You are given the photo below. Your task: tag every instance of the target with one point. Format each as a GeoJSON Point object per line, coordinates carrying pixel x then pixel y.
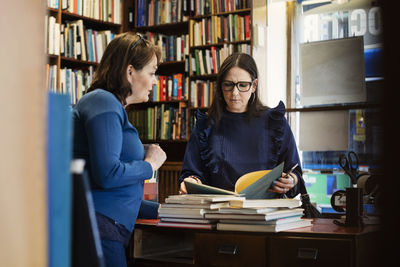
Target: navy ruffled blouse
{"type": "Point", "coordinates": [220, 155]}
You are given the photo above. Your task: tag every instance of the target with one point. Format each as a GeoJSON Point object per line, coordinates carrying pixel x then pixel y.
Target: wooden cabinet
{"type": "Point", "coordinates": [322, 244]}
{"type": "Point", "coordinates": [220, 249]}
{"type": "Point", "coordinates": [310, 251]}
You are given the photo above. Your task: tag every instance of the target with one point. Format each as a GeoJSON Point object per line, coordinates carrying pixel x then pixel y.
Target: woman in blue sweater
{"type": "Point", "coordinates": [240, 134]}
{"type": "Point", "coordinates": [115, 158]}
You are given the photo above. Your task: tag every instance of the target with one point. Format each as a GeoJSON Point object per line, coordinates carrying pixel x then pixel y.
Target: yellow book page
{"type": "Point", "coordinates": [249, 178]}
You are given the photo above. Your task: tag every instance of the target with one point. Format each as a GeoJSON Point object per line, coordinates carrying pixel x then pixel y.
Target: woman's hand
{"type": "Point", "coordinates": [284, 183]}
{"type": "Point", "coordinates": [192, 179]}
{"type": "Point", "coordinates": [155, 156]}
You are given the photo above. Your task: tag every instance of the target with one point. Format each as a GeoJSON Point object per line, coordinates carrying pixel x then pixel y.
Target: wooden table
{"type": "Point", "coordinates": [322, 244]}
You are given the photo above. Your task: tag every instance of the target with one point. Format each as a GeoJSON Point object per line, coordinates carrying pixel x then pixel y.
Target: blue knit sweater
{"type": "Point", "coordinates": [114, 156]}
{"type": "Point", "coordinates": [220, 155]}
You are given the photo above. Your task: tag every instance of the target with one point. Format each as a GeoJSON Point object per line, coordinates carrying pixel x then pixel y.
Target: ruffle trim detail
{"type": "Point", "coordinates": [203, 132]}
{"type": "Point", "coordinates": [276, 125]}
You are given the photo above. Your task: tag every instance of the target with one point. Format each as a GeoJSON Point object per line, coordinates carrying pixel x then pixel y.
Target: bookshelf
{"type": "Point", "coordinates": [164, 119]}
{"type": "Point", "coordinates": [212, 30]}
{"type": "Point", "coordinates": [77, 32]}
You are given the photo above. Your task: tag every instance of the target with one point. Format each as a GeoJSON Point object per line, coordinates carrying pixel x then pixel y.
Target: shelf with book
{"type": "Point", "coordinates": [164, 118]}
{"type": "Point", "coordinates": [77, 34]}
{"type": "Point", "coordinates": [91, 22]}
{"type": "Point", "coordinates": [213, 29]}
{"type": "Point", "coordinates": [223, 27]}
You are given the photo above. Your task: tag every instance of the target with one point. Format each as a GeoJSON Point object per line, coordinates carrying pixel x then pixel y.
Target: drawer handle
{"type": "Point", "coordinates": [228, 249]}
{"type": "Point", "coordinates": [307, 253]}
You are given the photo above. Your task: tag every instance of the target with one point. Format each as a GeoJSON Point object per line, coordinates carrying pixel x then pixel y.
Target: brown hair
{"type": "Point", "coordinates": [247, 63]}
{"type": "Point", "coordinates": [126, 49]}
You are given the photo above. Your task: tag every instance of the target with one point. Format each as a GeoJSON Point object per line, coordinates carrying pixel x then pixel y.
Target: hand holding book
{"type": "Point", "coordinates": [191, 178]}
{"type": "Point", "coordinates": [286, 182]}
{"type": "Point", "coordinates": [253, 185]}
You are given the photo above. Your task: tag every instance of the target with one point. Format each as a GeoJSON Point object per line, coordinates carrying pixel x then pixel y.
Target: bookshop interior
{"type": "Point", "coordinates": [332, 63]}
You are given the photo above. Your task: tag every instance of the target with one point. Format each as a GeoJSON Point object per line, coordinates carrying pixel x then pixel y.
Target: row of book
{"type": "Point", "coordinates": [218, 29]}
{"type": "Point", "coordinates": [73, 40]}
{"type": "Point", "coordinates": [207, 7]}
{"type": "Point", "coordinates": [53, 3]}
{"type": "Point", "coordinates": [173, 48]}
{"type": "Point", "coordinates": [105, 10]}
{"type": "Point", "coordinates": [220, 6]}
{"type": "Point", "coordinates": [83, 44]}
{"type": "Point", "coordinates": [71, 82]}
{"type": "Point", "coordinates": [168, 88]}
{"type": "Point", "coordinates": [208, 61]}
{"type": "Point", "coordinates": [201, 93]}
{"type": "Point", "coordinates": [231, 213]}
{"type": "Point", "coordinates": [154, 12]}
{"type": "Point", "coordinates": [163, 122]}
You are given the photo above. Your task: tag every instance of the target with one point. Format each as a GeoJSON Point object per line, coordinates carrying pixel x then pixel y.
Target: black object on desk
{"type": "Point", "coordinates": [354, 206]}
{"type": "Point", "coordinates": [349, 164]}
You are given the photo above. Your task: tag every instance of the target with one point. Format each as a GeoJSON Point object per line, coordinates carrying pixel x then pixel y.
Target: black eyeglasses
{"type": "Point", "coordinates": [242, 86]}
{"type": "Point", "coordinates": [138, 41]}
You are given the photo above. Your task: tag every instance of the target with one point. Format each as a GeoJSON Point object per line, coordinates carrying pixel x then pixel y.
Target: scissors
{"type": "Point", "coordinates": [349, 164]}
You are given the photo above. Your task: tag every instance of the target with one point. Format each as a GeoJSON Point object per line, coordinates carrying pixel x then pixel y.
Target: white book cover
{"type": "Point", "coordinates": [258, 217]}
{"type": "Point", "coordinates": [96, 9]}
{"type": "Point", "coordinates": [201, 63]}
{"type": "Point", "coordinates": [186, 225]}
{"type": "Point", "coordinates": [62, 40]}
{"type": "Point", "coordinates": [193, 94]}
{"type": "Point", "coordinates": [266, 203]}
{"type": "Point", "coordinates": [117, 11]}
{"type": "Point", "coordinates": [277, 221]}
{"type": "Point", "coordinates": [199, 198]}
{"type": "Point", "coordinates": [246, 210]}
{"type": "Point", "coordinates": [182, 211]}
{"type": "Point", "coordinates": [187, 220]}
{"type": "Point", "coordinates": [57, 39]}
{"type": "Point", "coordinates": [209, 205]}
{"type": "Point", "coordinates": [74, 38]}
{"type": "Point", "coordinates": [178, 48]}
{"type": "Point", "coordinates": [51, 27]}
{"type": "Point", "coordinates": [46, 32]}
{"type": "Point", "coordinates": [62, 81]}
{"type": "Point", "coordinates": [264, 228]}
{"type": "Point", "coordinates": [64, 4]}
{"type": "Point", "coordinates": [82, 39]}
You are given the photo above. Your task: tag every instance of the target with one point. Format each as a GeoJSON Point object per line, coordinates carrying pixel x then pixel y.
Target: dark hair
{"type": "Point", "coordinates": [247, 63]}
{"type": "Point", "coordinates": [126, 49]}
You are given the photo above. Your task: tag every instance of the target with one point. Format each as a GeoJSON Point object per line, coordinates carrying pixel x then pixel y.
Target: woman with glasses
{"type": "Point", "coordinates": [240, 134]}
{"type": "Point", "coordinates": [115, 158]}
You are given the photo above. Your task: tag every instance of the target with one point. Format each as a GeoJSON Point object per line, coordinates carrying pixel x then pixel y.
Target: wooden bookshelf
{"type": "Point", "coordinates": [63, 65]}
{"type": "Point", "coordinates": [142, 19]}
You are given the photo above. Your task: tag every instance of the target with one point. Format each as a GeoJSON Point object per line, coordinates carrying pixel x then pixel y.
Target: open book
{"type": "Point", "coordinates": [253, 185]}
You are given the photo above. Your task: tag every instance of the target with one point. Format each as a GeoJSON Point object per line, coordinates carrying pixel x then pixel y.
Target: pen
{"type": "Point", "coordinates": [292, 169]}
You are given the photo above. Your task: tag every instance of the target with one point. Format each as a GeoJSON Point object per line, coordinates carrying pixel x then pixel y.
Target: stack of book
{"type": "Point", "coordinates": [231, 213]}
{"type": "Point", "coordinates": [260, 215]}
{"type": "Point", "coordinates": [188, 211]}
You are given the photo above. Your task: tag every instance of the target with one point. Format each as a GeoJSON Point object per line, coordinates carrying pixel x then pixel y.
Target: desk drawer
{"type": "Point", "coordinates": [219, 249]}
{"type": "Point", "coordinates": [306, 251]}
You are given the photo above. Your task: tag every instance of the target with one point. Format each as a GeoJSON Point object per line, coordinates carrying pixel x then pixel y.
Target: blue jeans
{"type": "Point", "coordinates": [114, 253]}
{"type": "Point", "coordinates": [113, 250]}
